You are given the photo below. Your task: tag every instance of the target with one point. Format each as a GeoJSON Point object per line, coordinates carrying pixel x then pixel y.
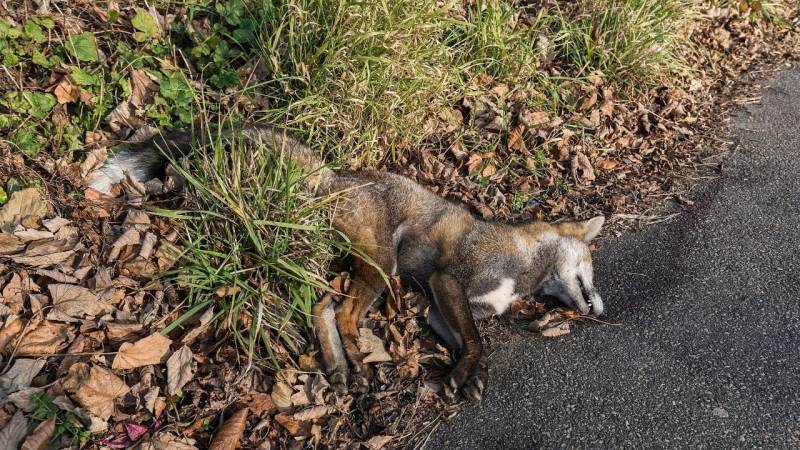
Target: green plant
{"type": "Point", "coordinates": [253, 230]}
{"type": "Point", "coordinates": [66, 422]}
{"type": "Point", "coordinates": [635, 42]}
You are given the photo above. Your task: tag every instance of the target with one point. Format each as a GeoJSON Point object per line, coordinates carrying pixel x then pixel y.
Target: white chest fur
{"type": "Point", "coordinates": [500, 298]}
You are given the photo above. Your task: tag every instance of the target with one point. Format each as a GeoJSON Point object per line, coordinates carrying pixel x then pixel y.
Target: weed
{"type": "Point", "coordinates": [252, 227]}
{"type": "Point", "coordinates": [637, 43]}
{"type": "Point", "coordinates": [66, 422]}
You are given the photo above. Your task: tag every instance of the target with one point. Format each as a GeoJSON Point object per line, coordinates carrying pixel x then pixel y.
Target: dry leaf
{"type": "Point", "coordinates": [515, 141]}
{"type": "Point", "coordinates": [40, 438]}
{"type": "Point", "coordinates": [142, 88]}
{"type": "Point", "coordinates": [167, 441]}
{"type": "Point", "coordinates": [147, 351]}
{"type": "Point", "coordinates": [534, 118]}
{"type": "Point", "coordinates": [66, 92]}
{"type": "Point", "coordinates": [10, 330]}
{"type": "Point", "coordinates": [312, 413]}
{"type": "Point", "coordinates": [227, 291]}
{"type": "Point", "coordinates": [261, 404]}
{"type": "Point", "coordinates": [26, 202]}
{"type": "Point", "coordinates": [588, 102]}
{"type": "Point", "coordinates": [606, 164]}
{"type": "Point", "coordinates": [130, 237]}
{"type": "Point", "coordinates": [378, 442]}
{"type": "Point", "coordinates": [48, 338]}
{"type": "Point", "coordinates": [558, 330]}
{"type": "Point", "coordinates": [282, 394]}
{"type": "Point", "coordinates": [179, 370]}
{"type": "Point", "coordinates": [294, 427]}
{"type": "Point", "coordinates": [43, 261]}
{"type": "Point", "coordinates": [19, 375]}
{"type": "Point", "coordinates": [10, 244]}
{"type": "Point", "coordinates": [72, 303]}
{"type": "Point", "coordinates": [474, 162]}
{"type": "Point", "coordinates": [228, 435]}
{"type": "Point", "coordinates": [117, 332]}
{"type": "Point", "coordinates": [489, 170]}
{"type": "Point", "coordinates": [371, 346]}
{"type": "Point", "coordinates": [14, 431]}
{"type": "Point", "coordinates": [582, 168]}
{"type": "Point", "coordinates": [95, 388]}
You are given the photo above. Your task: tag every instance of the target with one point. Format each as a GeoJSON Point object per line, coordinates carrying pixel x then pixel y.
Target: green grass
{"type": "Point", "coordinates": [251, 226]}
{"type": "Point", "coordinates": [635, 43]}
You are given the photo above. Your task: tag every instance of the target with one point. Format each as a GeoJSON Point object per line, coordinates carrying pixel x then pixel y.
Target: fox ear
{"type": "Point", "coordinates": [591, 228]}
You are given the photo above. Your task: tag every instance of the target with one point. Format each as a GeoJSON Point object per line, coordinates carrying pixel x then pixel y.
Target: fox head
{"type": "Point", "coordinates": [570, 278]}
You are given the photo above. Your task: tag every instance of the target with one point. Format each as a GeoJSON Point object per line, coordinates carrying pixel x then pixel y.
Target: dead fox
{"type": "Point", "coordinates": [468, 267]}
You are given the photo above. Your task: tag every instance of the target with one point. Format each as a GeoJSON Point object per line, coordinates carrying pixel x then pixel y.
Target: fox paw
{"type": "Point", "coordinates": [472, 388]}
{"type": "Point", "coordinates": [360, 384]}
{"type": "Point", "coordinates": [338, 381]}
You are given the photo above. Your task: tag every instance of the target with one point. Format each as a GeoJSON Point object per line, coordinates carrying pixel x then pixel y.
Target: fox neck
{"type": "Point", "coordinates": [538, 254]}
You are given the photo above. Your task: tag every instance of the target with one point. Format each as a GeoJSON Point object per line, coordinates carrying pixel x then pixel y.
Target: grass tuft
{"type": "Point", "coordinates": [257, 245]}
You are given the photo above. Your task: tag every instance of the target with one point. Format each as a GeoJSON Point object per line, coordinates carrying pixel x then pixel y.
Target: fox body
{"type": "Point", "coordinates": [468, 267]}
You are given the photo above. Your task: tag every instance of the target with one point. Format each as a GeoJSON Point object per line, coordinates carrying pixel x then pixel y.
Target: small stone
{"type": "Point", "coordinates": [720, 412]}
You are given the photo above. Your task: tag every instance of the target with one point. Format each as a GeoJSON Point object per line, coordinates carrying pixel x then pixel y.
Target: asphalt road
{"type": "Point", "coordinates": [708, 354]}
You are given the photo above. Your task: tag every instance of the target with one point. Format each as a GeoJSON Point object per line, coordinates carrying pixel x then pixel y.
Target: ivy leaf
{"type": "Point", "coordinates": [28, 141]}
{"type": "Point", "coordinates": [82, 77]}
{"type": "Point", "coordinates": [37, 104]}
{"type": "Point", "coordinates": [41, 103]}
{"type": "Point", "coordinates": [83, 46]}
{"type": "Point", "coordinates": [146, 24]}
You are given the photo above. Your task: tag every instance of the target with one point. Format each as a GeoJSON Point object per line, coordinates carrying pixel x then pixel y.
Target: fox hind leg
{"type": "Point", "coordinates": [330, 342]}
{"type": "Point", "coordinates": [367, 285]}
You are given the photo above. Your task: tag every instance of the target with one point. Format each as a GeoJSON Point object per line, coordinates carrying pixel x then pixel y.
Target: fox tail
{"type": "Point", "coordinates": [147, 160]}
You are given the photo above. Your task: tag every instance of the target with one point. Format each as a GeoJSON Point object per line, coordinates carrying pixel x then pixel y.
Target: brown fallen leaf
{"type": "Point", "coordinates": [46, 339]}
{"type": "Point", "coordinates": [606, 164]}
{"type": "Point", "coordinates": [118, 333]}
{"type": "Point", "coordinates": [10, 244]}
{"type": "Point", "coordinates": [534, 118]}
{"type": "Point", "coordinates": [166, 441]}
{"type": "Point", "coordinates": [227, 291]}
{"type": "Point", "coordinates": [179, 370]}
{"type": "Point", "coordinates": [25, 202]}
{"type": "Point", "coordinates": [378, 442]}
{"type": "Point", "coordinates": [312, 413]}
{"type": "Point", "coordinates": [515, 141]}
{"type": "Point", "coordinates": [372, 346]}
{"type": "Point", "coordinates": [66, 92]}
{"type": "Point", "coordinates": [20, 375]}
{"type": "Point", "coordinates": [294, 427]}
{"type": "Point", "coordinates": [14, 431]}
{"type": "Point", "coordinates": [558, 330]}
{"type": "Point", "coordinates": [10, 330]}
{"type": "Point", "coordinates": [72, 303]}
{"type": "Point", "coordinates": [261, 404]}
{"type": "Point", "coordinates": [95, 388]}
{"type": "Point", "coordinates": [143, 87]}
{"type": "Point", "coordinates": [229, 434]}
{"type": "Point", "coordinates": [147, 351]}
{"type": "Point", "coordinates": [43, 261]}
{"type": "Point", "coordinates": [40, 438]}
{"type": "Point", "coordinates": [582, 168]}
{"type": "Point", "coordinates": [129, 237]}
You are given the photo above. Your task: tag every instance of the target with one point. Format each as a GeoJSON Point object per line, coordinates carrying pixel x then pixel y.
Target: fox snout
{"type": "Point", "coordinates": [593, 305]}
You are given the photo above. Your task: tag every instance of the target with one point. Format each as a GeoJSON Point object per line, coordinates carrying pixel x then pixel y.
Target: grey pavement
{"type": "Point", "coordinates": [708, 353]}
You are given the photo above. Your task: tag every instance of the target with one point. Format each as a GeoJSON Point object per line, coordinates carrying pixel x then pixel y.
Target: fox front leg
{"type": "Point", "coordinates": [469, 373]}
